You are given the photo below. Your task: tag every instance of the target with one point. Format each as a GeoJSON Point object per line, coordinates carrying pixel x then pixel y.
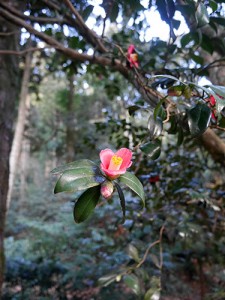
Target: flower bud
{"type": "Point", "coordinates": [107, 189]}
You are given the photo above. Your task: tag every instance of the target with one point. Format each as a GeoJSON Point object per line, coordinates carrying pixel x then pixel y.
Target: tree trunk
{"type": "Point", "coordinates": [24, 167]}
{"type": "Point", "coordinates": [70, 126]}
{"type": "Point", "coordinates": [8, 94]}
{"type": "Point", "coordinates": [19, 131]}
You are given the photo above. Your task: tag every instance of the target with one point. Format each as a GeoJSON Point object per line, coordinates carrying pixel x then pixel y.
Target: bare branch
{"type": "Point", "coordinates": [85, 29]}
{"type": "Point", "coordinates": [148, 94]}
{"type": "Point", "coordinates": [7, 33]}
{"type": "Point", "coordinates": [37, 19]}
{"type": "Point", "coordinates": [22, 52]}
{"type": "Point", "coordinates": [159, 241]}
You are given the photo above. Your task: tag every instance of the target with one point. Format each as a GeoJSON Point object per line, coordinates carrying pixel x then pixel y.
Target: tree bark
{"type": "Point", "coordinates": [70, 126]}
{"type": "Point", "coordinates": [19, 130]}
{"type": "Point", "coordinates": [8, 94]}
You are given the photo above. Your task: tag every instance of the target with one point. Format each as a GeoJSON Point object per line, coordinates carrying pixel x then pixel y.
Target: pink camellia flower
{"type": "Point", "coordinates": [212, 100]}
{"type": "Point", "coordinates": [115, 164]}
{"type": "Point", "coordinates": [107, 189]}
{"type": "Point", "coordinates": [132, 56]}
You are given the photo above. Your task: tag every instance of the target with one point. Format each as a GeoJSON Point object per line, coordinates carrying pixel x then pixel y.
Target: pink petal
{"type": "Point", "coordinates": [131, 49]}
{"type": "Point", "coordinates": [105, 157]}
{"type": "Point", "coordinates": [126, 155]}
{"type": "Point", "coordinates": [113, 174]}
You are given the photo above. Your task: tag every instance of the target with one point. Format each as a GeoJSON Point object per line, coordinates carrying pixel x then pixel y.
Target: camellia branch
{"type": "Point", "coordinates": [91, 33]}
{"type": "Point", "coordinates": [40, 20]}
{"type": "Point", "coordinates": [148, 94]}
{"type": "Point", "coordinates": [22, 52]}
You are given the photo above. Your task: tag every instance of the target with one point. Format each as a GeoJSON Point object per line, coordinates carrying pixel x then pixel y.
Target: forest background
{"type": "Point", "coordinates": [68, 89]}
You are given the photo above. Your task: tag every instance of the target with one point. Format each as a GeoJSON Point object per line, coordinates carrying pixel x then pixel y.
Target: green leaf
{"type": "Point", "coordinates": [213, 5]}
{"type": "Point", "coordinates": [159, 111]}
{"type": "Point", "coordinates": [152, 149]}
{"type": "Point", "coordinates": [74, 165]}
{"type": "Point", "coordinates": [132, 282]}
{"type": "Point", "coordinates": [78, 179]}
{"type": "Point", "coordinates": [87, 11]}
{"type": "Point", "coordinates": [107, 279]}
{"type": "Point", "coordinates": [133, 253]}
{"type": "Point", "coordinates": [167, 76]}
{"type": "Point", "coordinates": [180, 137]}
{"type": "Point", "coordinates": [198, 119]}
{"type": "Point", "coordinates": [220, 90]}
{"type": "Point", "coordinates": [134, 184]}
{"type": "Point", "coordinates": [114, 12]}
{"type": "Point", "coordinates": [154, 291]}
{"type": "Point", "coordinates": [201, 15]}
{"type": "Point", "coordinates": [220, 21]}
{"type": "Point", "coordinates": [132, 109]}
{"type": "Point", "coordinates": [174, 124]}
{"type": "Point", "coordinates": [155, 127]}
{"type": "Point", "coordinates": [207, 44]}
{"type": "Point", "coordinates": [196, 58]}
{"type": "Point", "coordinates": [85, 204]}
{"type": "Point", "coordinates": [192, 37]}
{"type": "Point", "coordinates": [122, 201]}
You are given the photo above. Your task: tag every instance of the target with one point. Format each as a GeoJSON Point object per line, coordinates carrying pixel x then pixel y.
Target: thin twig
{"type": "Point", "coordinates": [159, 241]}
{"type": "Point", "coordinates": [22, 52]}
{"type": "Point", "coordinates": [168, 112]}
{"type": "Point", "coordinates": [7, 33]}
{"type": "Point", "coordinates": [217, 127]}
{"type": "Point", "coordinates": [90, 32]}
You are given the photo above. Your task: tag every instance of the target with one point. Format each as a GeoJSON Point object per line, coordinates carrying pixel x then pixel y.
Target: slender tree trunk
{"type": "Point", "coordinates": [19, 130]}
{"type": "Point", "coordinates": [8, 94]}
{"type": "Point", "coordinates": [70, 128]}
{"type": "Point", "coordinates": [23, 167]}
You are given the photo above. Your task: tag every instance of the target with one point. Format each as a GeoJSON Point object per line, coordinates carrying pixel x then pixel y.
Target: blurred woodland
{"type": "Point", "coordinates": [68, 89]}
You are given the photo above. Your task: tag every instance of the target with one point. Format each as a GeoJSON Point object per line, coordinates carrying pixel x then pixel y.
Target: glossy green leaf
{"type": "Point", "coordinates": [218, 89]}
{"type": "Point", "coordinates": [173, 125]}
{"type": "Point", "coordinates": [180, 137]}
{"type": "Point", "coordinates": [78, 179]}
{"type": "Point", "coordinates": [159, 111]}
{"type": "Point", "coordinates": [134, 184]}
{"type": "Point", "coordinates": [201, 15]}
{"type": "Point", "coordinates": [133, 283]}
{"type": "Point", "coordinates": [114, 12]}
{"type": "Point", "coordinates": [167, 76]}
{"type": "Point", "coordinates": [207, 44]}
{"type": "Point", "coordinates": [74, 165]}
{"type": "Point", "coordinates": [87, 11]}
{"type": "Point", "coordinates": [198, 119]}
{"type": "Point", "coordinates": [86, 204]}
{"type": "Point", "coordinates": [107, 279]}
{"type": "Point", "coordinates": [213, 5]}
{"type": "Point", "coordinates": [132, 109]}
{"type": "Point", "coordinates": [192, 38]}
{"type": "Point", "coordinates": [155, 127]}
{"type": "Point", "coordinates": [218, 20]}
{"type": "Point", "coordinates": [122, 201]}
{"type": "Point", "coordinates": [133, 253]}
{"type": "Point", "coordinates": [197, 58]}
{"type": "Point", "coordinates": [152, 149]}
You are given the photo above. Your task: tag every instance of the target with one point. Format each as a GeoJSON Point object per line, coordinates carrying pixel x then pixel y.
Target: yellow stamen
{"type": "Point", "coordinates": [134, 57]}
{"type": "Point", "coordinates": [115, 163]}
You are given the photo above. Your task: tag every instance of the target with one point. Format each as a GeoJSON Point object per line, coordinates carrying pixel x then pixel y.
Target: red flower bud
{"type": "Point", "coordinates": [107, 189]}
